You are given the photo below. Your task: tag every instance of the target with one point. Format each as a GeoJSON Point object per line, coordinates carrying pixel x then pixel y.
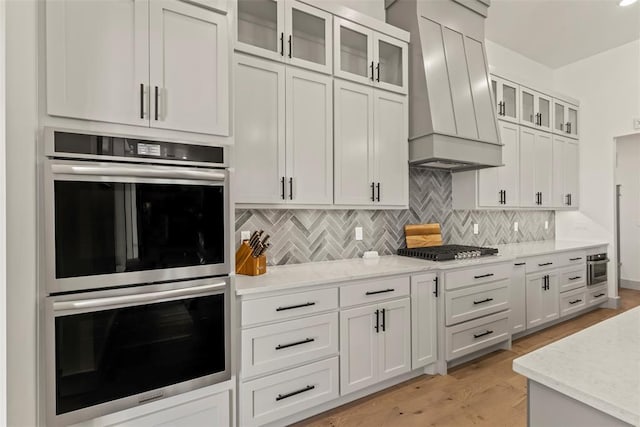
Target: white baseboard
{"type": "Point", "coordinates": [630, 284]}
{"type": "Point", "coordinates": [612, 302]}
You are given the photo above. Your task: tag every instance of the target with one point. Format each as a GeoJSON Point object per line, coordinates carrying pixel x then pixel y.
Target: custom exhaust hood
{"type": "Point", "coordinates": [452, 119]}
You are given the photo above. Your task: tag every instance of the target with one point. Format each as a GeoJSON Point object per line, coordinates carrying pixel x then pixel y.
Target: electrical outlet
{"type": "Point", "coordinates": [475, 229]}
{"type": "Point", "coordinates": [515, 226]}
{"type": "Point", "coordinates": [358, 233]}
{"type": "Point", "coordinates": [245, 235]}
{"type": "Point", "coordinates": [636, 123]}
{"type": "Point", "coordinates": [546, 225]}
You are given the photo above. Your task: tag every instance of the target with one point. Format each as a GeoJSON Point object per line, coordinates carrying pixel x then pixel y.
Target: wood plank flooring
{"type": "Point", "coordinates": [484, 392]}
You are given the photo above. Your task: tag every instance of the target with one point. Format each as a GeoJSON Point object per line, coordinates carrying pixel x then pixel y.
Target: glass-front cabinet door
{"type": "Point", "coordinates": [559, 117]}
{"type": "Point", "coordinates": [260, 28]}
{"type": "Point", "coordinates": [391, 62]}
{"type": "Point", "coordinates": [506, 99]}
{"type": "Point", "coordinates": [528, 107]}
{"type": "Point", "coordinates": [572, 122]}
{"type": "Point", "coordinates": [308, 37]}
{"type": "Point", "coordinates": [543, 104]}
{"type": "Point", "coordinates": [353, 52]}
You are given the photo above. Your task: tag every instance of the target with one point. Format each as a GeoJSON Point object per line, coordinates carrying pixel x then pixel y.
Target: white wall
{"type": "Point", "coordinates": [608, 87]}
{"type": "Point", "coordinates": [514, 66]}
{"type": "Point", "coordinates": [21, 128]}
{"type": "Point", "coordinates": [628, 176]}
{"type": "Point", "coordinates": [3, 259]}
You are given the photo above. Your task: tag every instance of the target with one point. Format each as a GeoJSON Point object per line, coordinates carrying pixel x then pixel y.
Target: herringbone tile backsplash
{"type": "Point", "coordinates": [319, 235]}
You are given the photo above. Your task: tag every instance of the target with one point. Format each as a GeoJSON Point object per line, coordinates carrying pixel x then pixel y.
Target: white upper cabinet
{"type": "Point", "coordinates": [98, 60]}
{"type": "Point", "coordinates": [536, 160]}
{"type": "Point", "coordinates": [506, 97]}
{"type": "Point", "coordinates": [189, 62]}
{"type": "Point", "coordinates": [565, 119]}
{"type": "Point", "coordinates": [286, 30]}
{"type": "Point", "coordinates": [498, 187]}
{"type": "Point", "coordinates": [368, 57]}
{"type": "Point", "coordinates": [535, 109]}
{"type": "Point", "coordinates": [565, 172]}
{"type": "Point", "coordinates": [161, 64]}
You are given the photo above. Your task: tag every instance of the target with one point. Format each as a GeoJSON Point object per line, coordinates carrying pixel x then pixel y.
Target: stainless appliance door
{"type": "Point", "coordinates": [111, 350]}
{"type": "Point", "coordinates": [114, 224]}
{"type": "Point", "coordinates": [597, 272]}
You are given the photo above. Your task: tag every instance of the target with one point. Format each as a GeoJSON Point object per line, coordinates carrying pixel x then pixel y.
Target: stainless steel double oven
{"type": "Point", "coordinates": [135, 250]}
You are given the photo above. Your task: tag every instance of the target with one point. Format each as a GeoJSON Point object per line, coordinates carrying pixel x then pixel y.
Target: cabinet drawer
{"type": "Point", "coordinates": [573, 301]}
{"type": "Point", "coordinates": [375, 290]}
{"type": "Point", "coordinates": [481, 274]}
{"type": "Point", "coordinates": [541, 263]}
{"type": "Point", "coordinates": [572, 258]}
{"type": "Point", "coordinates": [476, 301]}
{"type": "Point", "coordinates": [572, 278]}
{"type": "Point", "coordinates": [281, 345]}
{"type": "Point", "coordinates": [597, 295]}
{"type": "Point", "coordinates": [271, 398]}
{"type": "Point", "coordinates": [287, 306]}
{"type": "Point", "coordinates": [477, 334]}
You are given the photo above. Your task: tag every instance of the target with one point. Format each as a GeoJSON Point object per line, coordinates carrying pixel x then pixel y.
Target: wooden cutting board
{"type": "Point", "coordinates": [421, 235]}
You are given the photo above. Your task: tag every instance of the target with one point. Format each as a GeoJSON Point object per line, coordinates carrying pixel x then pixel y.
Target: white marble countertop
{"type": "Point", "coordinates": [315, 273]}
{"type": "Point", "coordinates": [599, 366]}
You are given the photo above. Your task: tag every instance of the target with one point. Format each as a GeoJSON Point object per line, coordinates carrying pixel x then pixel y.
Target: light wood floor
{"type": "Point", "coordinates": [485, 392]}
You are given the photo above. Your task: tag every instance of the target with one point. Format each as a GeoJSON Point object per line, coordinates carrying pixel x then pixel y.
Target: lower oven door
{"type": "Point", "coordinates": [113, 350]}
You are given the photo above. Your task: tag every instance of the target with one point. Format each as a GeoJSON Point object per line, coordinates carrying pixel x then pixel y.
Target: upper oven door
{"type": "Point", "coordinates": [112, 224]}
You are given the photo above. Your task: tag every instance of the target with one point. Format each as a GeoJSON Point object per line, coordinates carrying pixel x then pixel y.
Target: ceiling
{"type": "Point", "coordinates": [559, 32]}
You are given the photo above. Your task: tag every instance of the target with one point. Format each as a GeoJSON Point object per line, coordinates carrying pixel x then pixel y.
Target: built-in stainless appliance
{"type": "Point", "coordinates": [111, 350]}
{"type": "Point", "coordinates": [447, 252]}
{"type": "Point", "coordinates": [122, 211]}
{"type": "Point", "coordinates": [135, 272]}
{"type": "Point", "coordinates": [597, 269]}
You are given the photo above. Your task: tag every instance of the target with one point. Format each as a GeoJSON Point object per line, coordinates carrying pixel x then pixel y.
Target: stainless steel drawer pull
{"type": "Point", "coordinates": [293, 393]}
{"type": "Point", "coordinates": [575, 278]}
{"type": "Point", "coordinates": [483, 301]}
{"type": "Point", "coordinates": [575, 259]}
{"type": "Point", "coordinates": [575, 302]}
{"type": "Point", "coordinates": [544, 264]}
{"type": "Point", "coordinates": [291, 307]}
{"type": "Point", "coordinates": [483, 276]}
{"type": "Point", "coordinates": [384, 291]}
{"type": "Point", "coordinates": [598, 296]}
{"type": "Point", "coordinates": [488, 332]}
{"type": "Point", "coordinates": [293, 344]}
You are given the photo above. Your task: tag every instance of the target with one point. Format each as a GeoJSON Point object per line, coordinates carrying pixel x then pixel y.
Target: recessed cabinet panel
{"type": "Point", "coordinates": [359, 352]}
{"type": "Point", "coordinates": [527, 167]}
{"type": "Point", "coordinates": [499, 187]}
{"type": "Point", "coordinates": [543, 168]}
{"type": "Point", "coordinates": [423, 320]}
{"type": "Point", "coordinates": [395, 338]}
{"type": "Point", "coordinates": [260, 139]}
{"type": "Point", "coordinates": [98, 75]}
{"type": "Point", "coordinates": [260, 27]}
{"type": "Point", "coordinates": [189, 60]}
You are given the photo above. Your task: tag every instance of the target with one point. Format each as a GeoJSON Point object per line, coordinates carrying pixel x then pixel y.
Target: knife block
{"type": "Point", "coordinates": [247, 264]}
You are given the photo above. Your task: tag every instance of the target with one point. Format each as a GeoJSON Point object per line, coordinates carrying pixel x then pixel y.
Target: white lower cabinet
{"type": "Point", "coordinates": [375, 344]}
{"type": "Point", "coordinates": [424, 340]}
{"type": "Point", "coordinates": [517, 298]}
{"type": "Point", "coordinates": [475, 335]}
{"type": "Point", "coordinates": [542, 298]}
{"type": "Point", "coordinates": [573, 301]}
{"type": "Point", "coordinates": [276, 396]}
{"type": "Point", "coordinates": [597, 295]}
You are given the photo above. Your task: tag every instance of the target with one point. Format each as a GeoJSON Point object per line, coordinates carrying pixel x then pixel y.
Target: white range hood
{"type": "Point", "coordinates": [452, 118]}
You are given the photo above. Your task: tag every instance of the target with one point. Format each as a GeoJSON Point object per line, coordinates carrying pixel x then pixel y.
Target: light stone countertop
{"type": "Point", "coordinates": [599, 366]}
{"type": "Point", "coordinates": [315, 273]}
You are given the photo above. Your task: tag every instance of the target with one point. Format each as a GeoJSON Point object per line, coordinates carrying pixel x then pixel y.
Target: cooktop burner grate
{"type": "Point", "coordinates": [447, 252]}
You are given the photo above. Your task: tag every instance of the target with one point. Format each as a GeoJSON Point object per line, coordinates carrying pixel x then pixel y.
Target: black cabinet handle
{"type": "Point", "coordinates": [575, 278]}
{"type": "Point", "coordinates": [482, 276]}
{"type": "Point", "coordinates": [541, 193]}
{"type": "Point", "coordinates": [377, 327]}
{"type": "Point", "coordinates": [598, 296]}
{"type": "Point", "coordinates": [293, 344]}
{"type": "Point", "coordinates": [281, 44]}
{"type": "Point", "coordinates": [142, 100]}
{"type": "Point", "coordinates": [378, 72]}
{"type": "Point", "coordinates": [282, 182]}
{"type": "Point", "coordinates": [487, 332]}
{"type": "Point", "coordinates": [575, 259]}
{"type": "Point", "coordinates": [575, 302]}
{"type": "Point", "coordinates": [373, 191]}
{"type": "Point", "coordinates": [379, 292]}
{"type": "Point", "coordinates": [504, 197]}
{"type": "Point", "coordinates": [378, 187]}
{"type": "Point", "coordinates": [291, 307]}
{"type": "Point", "coordinates": [156, 98]}
{"type": "Point", "coordinates": [500, 197]}
{"type": "Point", "coordinates": [435, 292]}
{"type": "Point", "coordinates": [520, 263]}
{"type": "Point", "coordinates": [570, 199]}
{"type": "Point", "coordinates": [383, 320]}
{"type": "Point", "coordinates": [569, 127]}
{"type": "Point", "coordinates": [483, 301]}
{"type": "Point", "coordinates": [291, 188]}
{"type": "Point", "coordinates": [290, 46]}
{"type": "Point", "coordinates": [545, 264]}
{"type": "Point", "coordinates": [372, 76]}
{"type": "Point", "coordinates": [293, 393]}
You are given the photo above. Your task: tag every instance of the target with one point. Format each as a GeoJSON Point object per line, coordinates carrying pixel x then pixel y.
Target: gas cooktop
{"type": "Point", "coordinates": [447, 252]}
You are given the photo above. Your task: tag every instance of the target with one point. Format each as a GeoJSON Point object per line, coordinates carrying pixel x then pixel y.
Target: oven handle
{"type": "Point", "coordinates": [134, 299]}
{"type": "Point", "coordinates": [604, 261]}
{"type": "Point", "coordinates": [132, 171]}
